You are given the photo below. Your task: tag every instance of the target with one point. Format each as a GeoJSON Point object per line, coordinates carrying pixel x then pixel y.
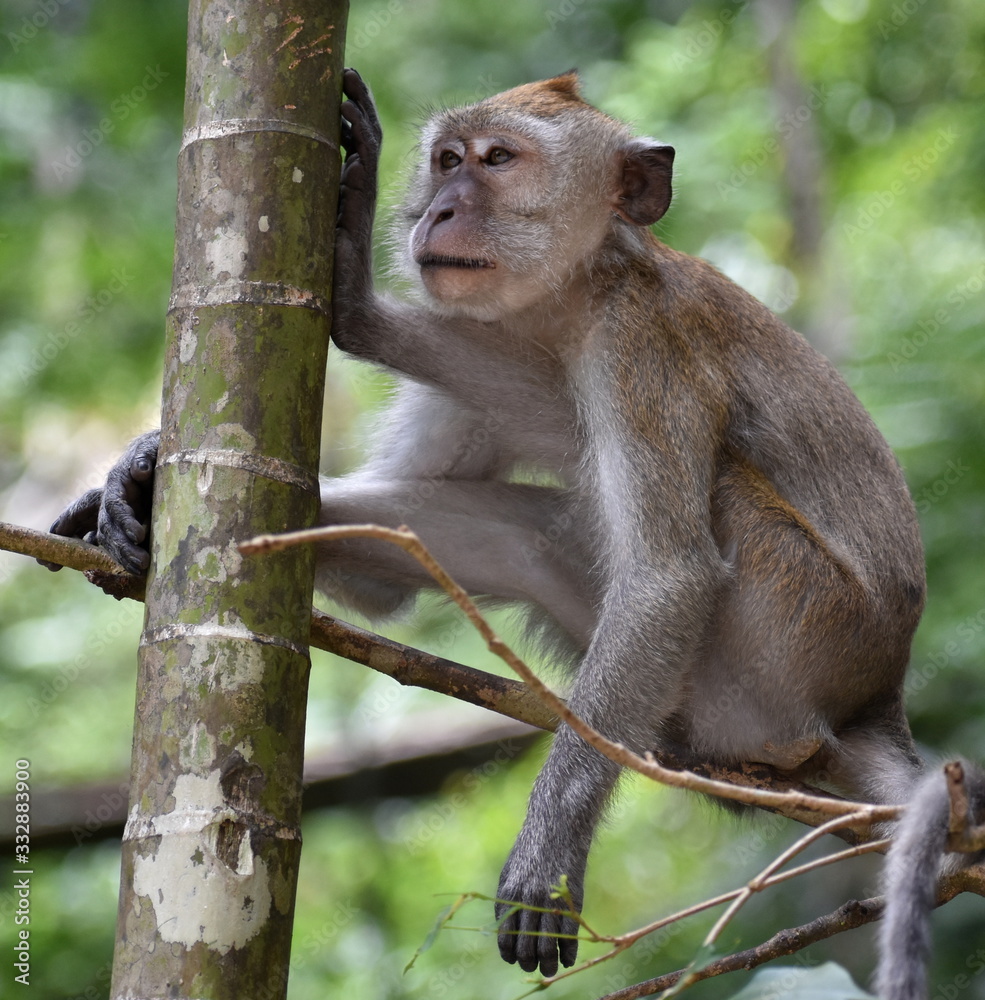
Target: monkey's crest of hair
{"type": "Point", "coordinates": [545, 100]}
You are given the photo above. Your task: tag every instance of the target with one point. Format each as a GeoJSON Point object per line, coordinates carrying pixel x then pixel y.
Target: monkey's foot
{"type": "Point", "coordinates": [787, 756]}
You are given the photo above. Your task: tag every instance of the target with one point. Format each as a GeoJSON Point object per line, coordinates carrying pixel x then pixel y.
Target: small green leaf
{"type": "Point", "coordinates": [561, 891]}
{"type": "Point", "coordinates": [443, 917]}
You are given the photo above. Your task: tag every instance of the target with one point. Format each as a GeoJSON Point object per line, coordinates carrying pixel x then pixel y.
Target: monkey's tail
{"type": "Point", "coordinates": [910, 884]}
{"type": "Point", "coordinates": [916, 859]}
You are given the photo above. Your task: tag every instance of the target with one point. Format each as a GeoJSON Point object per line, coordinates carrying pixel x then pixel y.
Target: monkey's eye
{"type": "Point", "coordinates": [498, 155]}
{"type": "Point", "coordinates": [449, 159]}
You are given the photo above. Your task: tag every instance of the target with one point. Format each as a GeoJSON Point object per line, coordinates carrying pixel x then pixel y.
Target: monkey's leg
{"type": "Point", "coordinates": [803, 655]}
{"type": "Point", "coordinates": [494, 539]}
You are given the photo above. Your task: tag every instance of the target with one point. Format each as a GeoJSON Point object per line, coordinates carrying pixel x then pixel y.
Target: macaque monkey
{"type": "Point", "coordinates": [692, 502]}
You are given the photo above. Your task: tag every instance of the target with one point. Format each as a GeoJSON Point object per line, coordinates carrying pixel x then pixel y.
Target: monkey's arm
{"type": "Point", "coordinates": [408, 339]}
{"type": "Point", "coordinates": [489, 535]}
{"type": "Point", "coordinates": [116, 516]}
{"type": "Point", "coordinates": [360, 321]}
{"type": "Point", "coordinates": [662, 574]}
{"type": "Point", "coordinates": [628, 681]}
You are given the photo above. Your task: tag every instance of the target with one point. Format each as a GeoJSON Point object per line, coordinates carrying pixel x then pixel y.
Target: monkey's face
{"type": "Point", "coordinates": [508, 206]}
{"type": "Point", "coordinates": [480, 238]}
{"type": "Point", "coordinates": [494, 229]}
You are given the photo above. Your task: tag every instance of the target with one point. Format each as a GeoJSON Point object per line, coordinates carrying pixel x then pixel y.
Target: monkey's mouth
{"type": "Point", "coordinates": [433, 260]}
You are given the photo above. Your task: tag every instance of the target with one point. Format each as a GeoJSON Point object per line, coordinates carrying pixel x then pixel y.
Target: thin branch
{"type": "Point", "coordinates": [854, 913]}
{"type": "Point", "coordinates": [870, 847]}
{"type": "Point", "coordinates": [960, 807]}
{"type": "Point", "coordinates": [963, 835]}
{"type": "Point", "coordinates": [863, 815]}
{"type": "Point", "coordinates": [765, 877]}
{"type": "Point", "coordinates": [850, 915]}
{"type": "Point", "coordinates": [408, 665]}
{"type": "Point", "coordinates": [620, 942]}
{"type": "Point", "coordinates": [404, 664]}
{"type": "Point", "coordinates": [71, 552]}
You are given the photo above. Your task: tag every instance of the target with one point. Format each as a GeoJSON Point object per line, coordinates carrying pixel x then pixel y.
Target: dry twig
{"type": "Point", "coordinates": [848, 916]}
{"type": "Point", "coordinates": [754, 784]}
{"type": "Point", "coordinates": [862, 815]}
{"type": "Point", "coordinates": [71, 552]}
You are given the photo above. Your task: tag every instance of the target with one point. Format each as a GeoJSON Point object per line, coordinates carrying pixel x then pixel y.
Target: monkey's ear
{"type": "Point", "coordinates": [644, 190]}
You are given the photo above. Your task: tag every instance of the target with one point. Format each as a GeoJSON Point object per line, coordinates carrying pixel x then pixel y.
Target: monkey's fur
{"type": "Point", "coordinates": [718, 530]}
{"type": "Point", "coordinates": [910, 878]}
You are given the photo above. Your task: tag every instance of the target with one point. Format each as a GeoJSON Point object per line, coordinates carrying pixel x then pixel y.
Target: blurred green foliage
{"type": "Point", "coordinates": [891, 99]}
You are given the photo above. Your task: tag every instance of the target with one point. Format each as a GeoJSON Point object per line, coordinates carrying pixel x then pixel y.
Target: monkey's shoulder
{"type": "Point", "coordinates": [683, 307]}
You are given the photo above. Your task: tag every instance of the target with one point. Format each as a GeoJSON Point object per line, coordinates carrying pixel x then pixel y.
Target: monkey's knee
{"type": "Point", "coordinates": [372, 598]}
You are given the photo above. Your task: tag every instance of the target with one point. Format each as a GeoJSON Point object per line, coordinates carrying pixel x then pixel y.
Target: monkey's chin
{"type": "Point", "coordinates": [464, 287]}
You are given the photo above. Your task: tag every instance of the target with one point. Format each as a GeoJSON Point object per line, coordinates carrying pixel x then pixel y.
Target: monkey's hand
{"type": "Point", "coordinates": [116, 517]}
{"type": "Point", "coordinates": [530, 937]}
{"type": "Point", "coordinates": [362, 138]}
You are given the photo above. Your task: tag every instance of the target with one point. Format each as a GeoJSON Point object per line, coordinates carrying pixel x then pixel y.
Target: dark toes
{"type": "Point", "coordinates": [132, 558]}
{"type": "Point", "coordinates": [135, 561]}
{"type": "Point", "coordinates": [507, 932]}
